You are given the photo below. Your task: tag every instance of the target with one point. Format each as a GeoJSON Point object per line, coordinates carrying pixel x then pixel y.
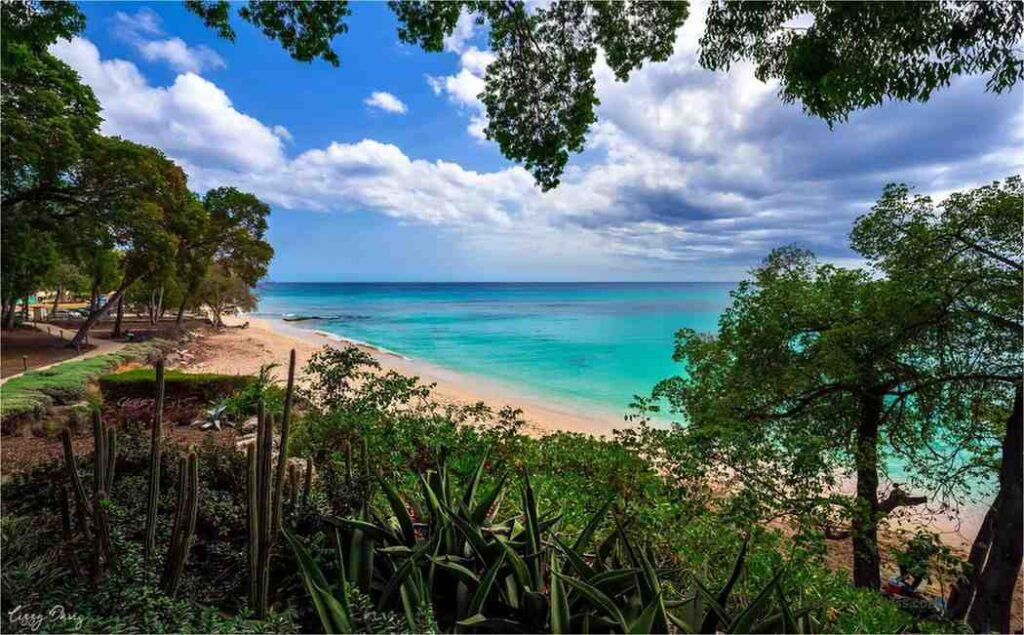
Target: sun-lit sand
{"type": "Point", "coordinates": [245, 350]}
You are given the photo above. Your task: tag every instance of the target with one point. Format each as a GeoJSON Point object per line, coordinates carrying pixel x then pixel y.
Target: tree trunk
{"type": "Point", "coordinates": [160, 304]}
{"type": "Point", "coordinates": [864, 524]}
{"type": "Point", "coordinates": [93, 295]}
{"type": "Point", "coordinates": [8, 312]}
{"type": "Point", "coordinates": [56, 300]}
{"type": "Point", "coordinates": [120, 316]}
{"type": "Point", "coordinates": [24, 310]}
{"type": "Point", "coordinates": [962, 593]}
{"type": "Point", "coordinates": [181, 314]}
{"type": "Point", "coordinates": [94, 316]}
{"type": "Point", "coordinates": [994, 596]}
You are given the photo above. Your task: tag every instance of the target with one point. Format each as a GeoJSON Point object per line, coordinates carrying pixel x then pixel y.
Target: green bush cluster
{"type": "Point", "coordinates": [141, 382]}
{"type": "Point", "coordinates": [34, 392]}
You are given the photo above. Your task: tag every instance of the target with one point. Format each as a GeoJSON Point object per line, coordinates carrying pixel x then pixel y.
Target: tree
{"type": "Point", "coordinates": [49, 116]}
{"type": "Point", "coordinates": [540, 91]}
{"type": "Point", "coordinates": [65, 276]}
{"type": "Point", "coordinates": [136, 196]}
{"type": "Point", "coordinates": [855, 55]}
{"type": "Point", "coordinates": [817, 372]}
{"type": "Point", "coordinates": [232, 233]}
{"type": "Point", "coordinates": [222, 289]}
{"type": "Point", "coordinates": [26, 258]}
{"type": "Point", "coordinates": [968, 252]}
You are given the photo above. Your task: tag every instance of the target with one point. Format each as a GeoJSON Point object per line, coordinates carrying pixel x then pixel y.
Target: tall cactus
{"type": "Point", "coordinates": [154, 464]}
{"type": "Point", "coordinates": [184, 530]}
{"type": "Point", "coordinates": [92, 512]}
{"type": "Point", "coordinates": [260, 494]}
{"type": "Point", "coordinates": [282, 451]}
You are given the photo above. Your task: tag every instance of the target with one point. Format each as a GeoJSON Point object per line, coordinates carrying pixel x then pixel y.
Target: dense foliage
{"type": "Point", "coordinates": [838, 57]}
{"type": "Point", "coordinates": [905, 374]}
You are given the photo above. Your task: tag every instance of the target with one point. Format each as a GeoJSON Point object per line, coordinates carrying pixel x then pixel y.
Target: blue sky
{"type": "Point", "coordinates": [377, 170]}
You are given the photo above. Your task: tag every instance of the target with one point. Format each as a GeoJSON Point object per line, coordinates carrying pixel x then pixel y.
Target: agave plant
{"type": "Point", "coordinates": [448, 558]}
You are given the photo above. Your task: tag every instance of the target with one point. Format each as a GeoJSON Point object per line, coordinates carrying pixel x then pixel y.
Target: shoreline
{"type": "Point", "coordinates": [245, 350]}
{"type": "Point", "coordinates": [238, 350]}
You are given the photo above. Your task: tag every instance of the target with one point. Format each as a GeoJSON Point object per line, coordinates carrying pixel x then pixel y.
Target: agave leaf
{"type": "Point", "coordinates": [646, 621]}
{"type": "Point", "coordinates": [706, 597]}
{"type": "Point", "coordinates": [462, 572]}
{"type": "Point", "coordinates": [595, 521]}
{"type": "Point", "coordinates": [339, 557]}
{"type": "Point", "coordinates": [745, 620]}
{"type": "Point", "coordinates": [532, 530]}
{"type": "Point", "coordinates": [559, 601]}
{"type": "Point", "coordinates": [711, 620]}
{"type": "Point", "coordinates": [522, 574]}
{"type": "Point", "coordinates": [495, 625]}
{"type": "Point", "coordinates": [476, 603]}
{"type": "Point", "coordinates": [369, 530]}
{"type": "Point", "coordinates": [773, 623]}
{"type": "Point", "coordinates": [611, 581]}
{"type": "Point", "coordinates": [474, 483]}
{"type": "Point", "coordinates": [583, 569]}
{"type": "Point", "coordinates": [400, 512]}
{"type": "Point", "coordinates": [400, 575]}
{"type": "Point", "coordinates": [598, 598]}
{"type": "Point", "coordinates": [333, 616]}
{"type": "Point", "coordinates": [680, 624]}
{"type": "Point", "coordinates": [473, 537]}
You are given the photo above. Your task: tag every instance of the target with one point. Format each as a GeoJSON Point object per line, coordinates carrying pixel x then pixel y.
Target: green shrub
{"type": "Point", "coordinates": [141, 382]}
{"type": "Point", "coordinates": [32, 393]}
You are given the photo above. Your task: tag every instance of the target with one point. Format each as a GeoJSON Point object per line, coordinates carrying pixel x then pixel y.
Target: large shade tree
{"type": "Point", "coordinates": [803, 386]}
{"type": "Point", "coordinates": [136, 197]}
{"type": "Point", "coordinates": [838, 57]}
{"type": "Point", "coordinates": [967, 251]}
{"type": "Point", "coordinates": [231, 233]}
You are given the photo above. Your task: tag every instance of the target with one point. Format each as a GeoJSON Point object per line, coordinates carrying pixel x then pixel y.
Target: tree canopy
{"type": "Point", "coordinates": [819, 372]}
{"type": "Point", "coordinates": [854, 55]}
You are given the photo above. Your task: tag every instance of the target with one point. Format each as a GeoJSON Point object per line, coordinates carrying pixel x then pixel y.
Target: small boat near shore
{"type": "Point", "coordinates": [291, 317]}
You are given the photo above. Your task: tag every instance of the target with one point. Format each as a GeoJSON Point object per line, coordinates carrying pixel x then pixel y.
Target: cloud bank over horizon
{"type": "Point", "coordinates": [688, 174]}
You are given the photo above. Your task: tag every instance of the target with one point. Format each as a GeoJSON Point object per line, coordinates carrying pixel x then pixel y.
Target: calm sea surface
{"type": "Point", "coordinates": [582, 343]}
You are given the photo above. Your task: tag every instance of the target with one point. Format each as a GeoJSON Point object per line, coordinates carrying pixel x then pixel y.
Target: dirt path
{"type": "Point", "coordinates": [98, 347]}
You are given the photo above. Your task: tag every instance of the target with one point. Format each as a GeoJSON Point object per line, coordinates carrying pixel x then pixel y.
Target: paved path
{"type": "Point", "coordinates": [101, 347]}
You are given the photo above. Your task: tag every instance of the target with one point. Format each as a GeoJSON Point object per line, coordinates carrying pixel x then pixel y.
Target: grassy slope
{"type": "Point", "coordinates": [35, 391]}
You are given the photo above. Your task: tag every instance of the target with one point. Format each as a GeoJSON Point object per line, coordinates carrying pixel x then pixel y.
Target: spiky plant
{"type": "Point", "coordinates": [183, 533]}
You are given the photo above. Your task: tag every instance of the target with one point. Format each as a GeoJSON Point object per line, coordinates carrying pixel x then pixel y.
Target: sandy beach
{"type": "Point", "coordinates": [245, 350]}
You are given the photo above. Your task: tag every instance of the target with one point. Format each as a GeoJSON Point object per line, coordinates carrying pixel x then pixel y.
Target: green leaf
{"type": "Point", "coordinates": [476, 603]}
{"type": "Point", "coordinates": [474, 483]}
{"type": "Point", "coordinates": [462, 572]}
{"type": "Point", "coordinates": [745, 620]}
{"type": "Point", "coordinates": [595, 521]}
{"type": "Point", "coordinates": [400, 512]}
{"type": "Point", "coordinates": [559, 601]}
{"type": "Point", "coordinates": [645, 622]}
{"type": "Point", "coordinates": [368, 529]}
{"type": "Point", "coordinates": [598, 598]}
{"type": "Point", "coordinates": [333, 616]}
{"type": "Point", "coordinates": [583, 569]}
{"type": "Point", "coordinates": [495, 625]}
{"type": "Point", "coordinates": [711, 620]}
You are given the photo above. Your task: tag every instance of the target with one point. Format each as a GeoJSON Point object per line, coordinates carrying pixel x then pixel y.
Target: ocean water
{"type": "Point", "coordinates": [585, 344]}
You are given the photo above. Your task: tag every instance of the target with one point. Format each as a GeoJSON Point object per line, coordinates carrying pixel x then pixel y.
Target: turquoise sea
{"type": "Point", "coordinates": [593, 344]}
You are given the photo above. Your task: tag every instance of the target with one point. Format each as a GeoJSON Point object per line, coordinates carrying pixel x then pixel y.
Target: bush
{"type": "Point", "coordinates": [141, 382]}
{"type": "Point", "coordinates": [32, 393]}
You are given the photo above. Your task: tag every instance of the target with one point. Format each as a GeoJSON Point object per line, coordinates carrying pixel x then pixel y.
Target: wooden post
{"type": "Point", "coordinates": [24, 362]}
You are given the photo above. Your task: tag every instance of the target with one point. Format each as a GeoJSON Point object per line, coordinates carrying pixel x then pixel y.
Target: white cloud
{"type": "Point", "coordinates": [282, 133]}
{"type": "Point", "coordinates": [688, 174]}
{"type": "Point", "coordinates": [463, 32]}
{"type": "Point", "coordinates": [464, 88]}
{"type": "Point", "coordinates": [143, 31]}
{"type": "Point", "coordinates": [386, 102]}
{"type": "Point", "coordinates": [191, 119]}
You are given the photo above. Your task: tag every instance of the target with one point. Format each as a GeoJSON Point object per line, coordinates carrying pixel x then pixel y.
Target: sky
{"type": "Point", "coordinates": [378, 170]}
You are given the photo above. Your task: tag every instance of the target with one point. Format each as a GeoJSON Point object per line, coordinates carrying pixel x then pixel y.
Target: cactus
{"type": "Point", "coordinates": [260, 490]}
{"type": "Point", "coordinates": [282, 451]}
{"type": "Point", "coordinates": [154, 463]}
{"type": "Point", "coordinates": [184, 530]}
{"type": "Point", "coordinates": [67, 534]}
{"type": "Point", "coordinates": [92, 513]}
{"type": "Point", "coordinates": [293, 486]}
